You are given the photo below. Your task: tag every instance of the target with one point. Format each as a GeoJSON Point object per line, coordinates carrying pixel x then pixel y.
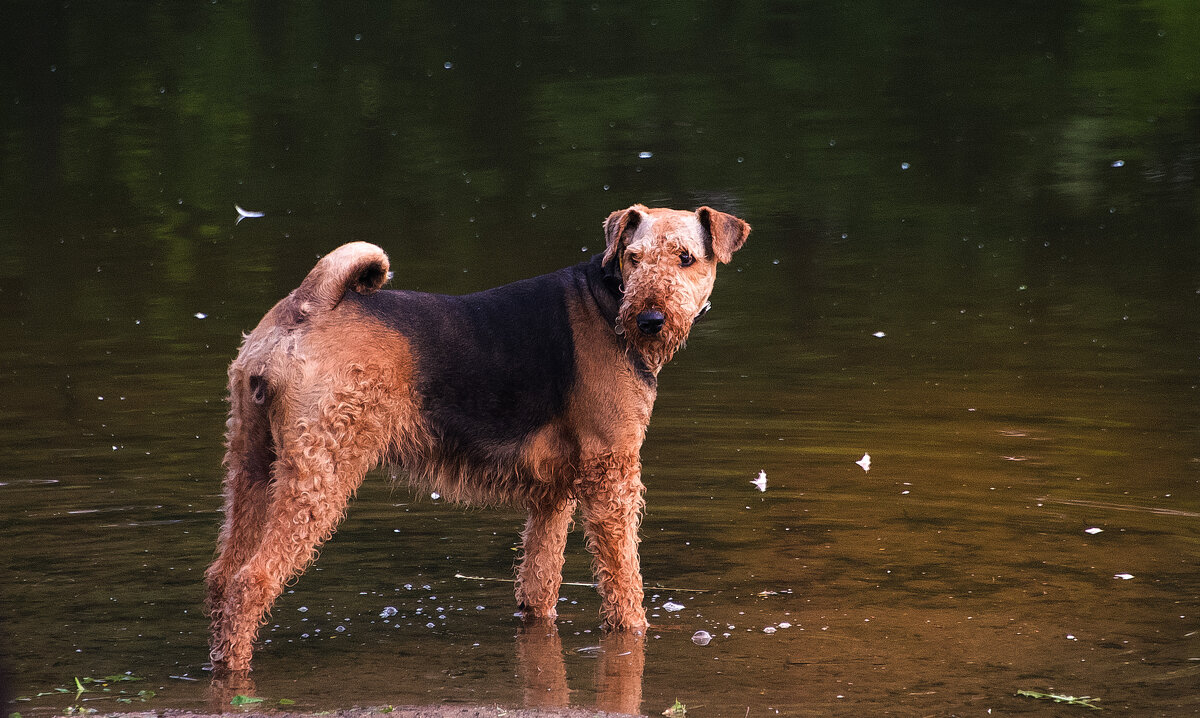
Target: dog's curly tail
{"type": "Point", "coordinates": [360, 266]}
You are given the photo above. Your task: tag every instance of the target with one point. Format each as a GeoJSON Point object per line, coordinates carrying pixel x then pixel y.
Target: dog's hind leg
{"type": "Point", "coordinates": [544, 539]}
{"type": "Point", "coordinates": [308, 499]}
{"type": "Point", "coordinates": [320, 465]}
{"type": "Point", "coordinates": [249, 454]}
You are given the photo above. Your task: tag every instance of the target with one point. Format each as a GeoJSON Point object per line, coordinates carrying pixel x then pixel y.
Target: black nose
{"type": "Point", "coordinates": [650, 321]}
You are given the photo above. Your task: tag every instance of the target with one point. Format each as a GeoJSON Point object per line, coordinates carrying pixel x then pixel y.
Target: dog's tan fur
{"type": "Point", "coordinates": [329, 384]}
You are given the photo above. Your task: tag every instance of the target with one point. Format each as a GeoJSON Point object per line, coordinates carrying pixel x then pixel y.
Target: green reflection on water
{"type": "Point", "coordinates": [1009, 195]}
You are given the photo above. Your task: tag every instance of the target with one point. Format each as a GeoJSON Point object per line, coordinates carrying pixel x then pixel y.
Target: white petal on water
{"type": "Point", "coordinates": [247, 213]}
{"type": "Point", "coordinates": [879, 335]}
{"type": "Point", "coordinates": [761, 481]}
{"type": "Point", "coordinates": [672, 606]}
{"type": "Point", "coordinates": [701, 638]}
{"type": "Point", "coordinates": [388, 612]}
{"type": "Point", "coordinates": [769, 629]}
{"type": "Point", "coordinates": [865, 462]}
{"type": "Point", "coordinates": [1124, 576]}
{"type": "Point", "coordinates": [200, 315]}
{"type": "Point", "coordinates": [1093, 530]}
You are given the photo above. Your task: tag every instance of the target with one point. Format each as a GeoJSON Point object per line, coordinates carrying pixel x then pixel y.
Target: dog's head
{"type": "Point", "coordinates": [666, 263]}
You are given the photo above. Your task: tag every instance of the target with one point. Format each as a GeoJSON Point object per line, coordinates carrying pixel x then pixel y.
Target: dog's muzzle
{"type": "Point", "coordinates": [651, 321]}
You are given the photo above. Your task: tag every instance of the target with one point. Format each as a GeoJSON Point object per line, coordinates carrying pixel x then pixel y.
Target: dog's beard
{"type": "Point", "coordinates": [655, 350]}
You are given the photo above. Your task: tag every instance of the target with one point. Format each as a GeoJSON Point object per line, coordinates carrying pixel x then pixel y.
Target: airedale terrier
{"type": "Point", "coordinates": [535, 394]}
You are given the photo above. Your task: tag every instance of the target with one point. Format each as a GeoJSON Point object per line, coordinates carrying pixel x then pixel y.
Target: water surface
{"type": "Point", "coordinates": [975, 257]}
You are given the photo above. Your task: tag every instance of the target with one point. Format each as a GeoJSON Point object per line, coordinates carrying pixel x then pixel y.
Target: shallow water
{"type": "Point", "coordinates": [1008, 198]}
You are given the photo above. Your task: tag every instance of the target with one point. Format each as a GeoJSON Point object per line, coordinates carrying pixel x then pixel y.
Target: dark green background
{"type": "Point", "coordinates": [1007, 192]}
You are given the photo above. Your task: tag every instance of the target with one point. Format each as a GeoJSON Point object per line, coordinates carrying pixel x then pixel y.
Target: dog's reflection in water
{"type": "Point", "coordinates": [619, 675]}
{"type": "Point", "coordinates": [540, 663]}
{"type": "Point", "coordinates": [225, 689]}
{"type": "Point", "coordinates": [622, 658]}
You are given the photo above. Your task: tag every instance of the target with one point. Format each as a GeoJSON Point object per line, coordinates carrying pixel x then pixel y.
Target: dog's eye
{"type": "Point", "coordinates": [686, 259]}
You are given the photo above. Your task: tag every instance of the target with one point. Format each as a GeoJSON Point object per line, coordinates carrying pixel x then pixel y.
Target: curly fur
{"type": "Point", "coordinates": [338, 378]}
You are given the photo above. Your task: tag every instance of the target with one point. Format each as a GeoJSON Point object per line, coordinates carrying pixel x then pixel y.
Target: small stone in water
{"type": "Point", "coordinates": [671, 606]}
{"type": "Point", "coordinates": [701, 638]}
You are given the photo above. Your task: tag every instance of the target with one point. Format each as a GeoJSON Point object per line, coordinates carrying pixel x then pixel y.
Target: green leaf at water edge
{"type": "Point", "coordinates": [240, 700]}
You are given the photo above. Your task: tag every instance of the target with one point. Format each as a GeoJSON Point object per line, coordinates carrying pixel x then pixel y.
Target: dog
{"type": "Point", "coordinates": [535, 394]}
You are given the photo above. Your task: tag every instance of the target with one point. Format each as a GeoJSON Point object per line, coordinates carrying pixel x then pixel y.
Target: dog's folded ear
{"type": "Point", "coordinates": [726, 233]}
{"type": "Point", "coordinates": [617, 229]}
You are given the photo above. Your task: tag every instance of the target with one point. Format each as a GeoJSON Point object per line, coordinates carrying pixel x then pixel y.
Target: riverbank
{"type": "Point", "coordinates": [391, 712]}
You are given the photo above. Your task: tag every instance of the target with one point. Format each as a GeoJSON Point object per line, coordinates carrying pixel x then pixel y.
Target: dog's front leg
{"type": "Point", "coordinates": [544, 542]}
{"type": "Point", "coordinates": [611, 500]}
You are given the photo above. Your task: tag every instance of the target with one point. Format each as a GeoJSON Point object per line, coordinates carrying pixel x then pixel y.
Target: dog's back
{"type": "Point", "coordinates": [537, 393]}
{"type": "Point", "coordinates": [490, 367]}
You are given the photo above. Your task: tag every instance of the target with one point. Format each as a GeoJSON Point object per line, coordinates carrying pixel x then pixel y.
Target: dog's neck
{"type": "Point", "coordinates": [605, 286]}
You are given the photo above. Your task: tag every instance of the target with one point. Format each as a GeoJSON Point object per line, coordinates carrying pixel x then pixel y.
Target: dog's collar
{"type": "Point", "coordinates": [605, 288]}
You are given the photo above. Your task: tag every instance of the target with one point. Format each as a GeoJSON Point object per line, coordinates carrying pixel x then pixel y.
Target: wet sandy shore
{"type": "Point", "coordinates": [390, 712]}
